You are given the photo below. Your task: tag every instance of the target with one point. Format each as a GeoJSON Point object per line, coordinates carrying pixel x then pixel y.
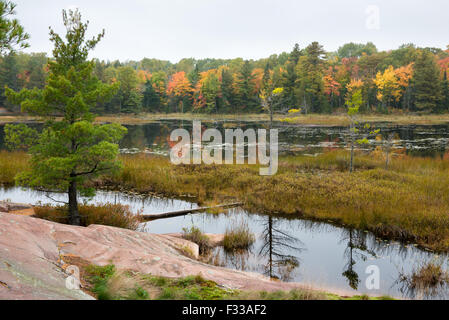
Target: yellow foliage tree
{"type": "Point", "coordinates": [388, 86]}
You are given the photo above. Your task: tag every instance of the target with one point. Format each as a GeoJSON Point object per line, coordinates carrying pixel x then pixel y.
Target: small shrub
{"type": "Point", "coordinates": [114, 215]}
{"type": "Point", "coordinates": [238, 238]}
{"type": "Point", "coordinates": [196, 236]}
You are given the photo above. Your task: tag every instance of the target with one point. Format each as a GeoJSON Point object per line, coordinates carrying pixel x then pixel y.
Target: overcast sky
{"type": "Point", "coordinates": [252, 29]}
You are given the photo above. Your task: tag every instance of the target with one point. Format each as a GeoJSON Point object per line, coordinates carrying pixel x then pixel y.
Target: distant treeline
{"type": "Point", "coordinates": [410, 79]}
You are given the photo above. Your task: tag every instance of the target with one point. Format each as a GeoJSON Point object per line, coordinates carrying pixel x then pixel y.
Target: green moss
{"type": "Point", "coordinates": [108, 284]}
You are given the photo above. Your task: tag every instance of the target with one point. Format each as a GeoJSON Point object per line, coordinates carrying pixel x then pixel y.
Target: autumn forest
{"type": "Point", "coordinates": [408, 79]}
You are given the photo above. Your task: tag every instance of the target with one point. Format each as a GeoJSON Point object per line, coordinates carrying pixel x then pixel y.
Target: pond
{"type": "Point", "coordinates": [419, 140]}
{"type": "Point", "coordinates": [317, 254]}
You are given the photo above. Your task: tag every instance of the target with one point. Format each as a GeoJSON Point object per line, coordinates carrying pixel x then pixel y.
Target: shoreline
{"type": "Point", "coordinates": [157, 257]}
{"type": "Point", "coordinates": [371, 198]}
{"type": "Point", "coordinates": [311, 119]}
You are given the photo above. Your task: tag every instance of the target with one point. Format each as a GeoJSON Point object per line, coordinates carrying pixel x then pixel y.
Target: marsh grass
{"type": "Point", "coordinates": [195, 235]}
{"type": "Point", "coordinates": [409, 202]}
{"type": "Point", "coordinates": [114, 215]}
{"type": "Point", "coordinates": [11, 163]}
{"type": "Point", "coordinates": [238, 237]}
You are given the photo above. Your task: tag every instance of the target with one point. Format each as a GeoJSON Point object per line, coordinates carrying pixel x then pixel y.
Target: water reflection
{"type": "Point", "coordinates": [425, 282]}
{"type": "Point", "coordinates": [296, 250]}
{"type": "Point", "coordinates": [356, 247]}
{"type": "Point", "coordinates": [419, 140]}
{"type": "Point", "coordinates": [275, 242]}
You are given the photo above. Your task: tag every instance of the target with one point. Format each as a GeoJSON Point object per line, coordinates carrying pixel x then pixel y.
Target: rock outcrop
{"type": "Point", "coordinates": [31, 253]}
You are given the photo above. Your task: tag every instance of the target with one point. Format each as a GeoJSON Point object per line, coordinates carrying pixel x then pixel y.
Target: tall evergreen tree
{"type": "Point", "coordinates": [71, 150]}
{"type": "Point", "coordinates": [245, 80]}
{"type": "Point", "coordinates": [310, 86]}
{"type": "Point", "coordinates": [227, 91]}
{"type": "Point", "coordinates": [426, 82]}
{"type": "Point", "coordinates": [445, 94]}
{"type": "Point", "coordinates": [290, 77]}
{"type": "Point", "coordinates": [194, 75]}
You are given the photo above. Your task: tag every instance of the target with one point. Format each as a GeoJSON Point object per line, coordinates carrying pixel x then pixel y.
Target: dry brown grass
{"type": "Point", "coordinates": [11, 163]}
{"type": "Point", "coordinates": [408, 202]}
{"type": "Point", "coordinates": [114, 215]}
{"type": "Point", "coordinates": [238, 237]}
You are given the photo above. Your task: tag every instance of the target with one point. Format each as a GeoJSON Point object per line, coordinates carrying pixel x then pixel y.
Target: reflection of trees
{"type": "Point", "coordinates": [135, 138]}
{"type": "Point", "coordinates": [275, 243]}
{"type": "Point", "coordinates": [356, 249]}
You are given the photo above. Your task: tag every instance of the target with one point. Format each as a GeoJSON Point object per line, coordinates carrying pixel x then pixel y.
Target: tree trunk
{"type": "Point", "coordinates": [74, 216]}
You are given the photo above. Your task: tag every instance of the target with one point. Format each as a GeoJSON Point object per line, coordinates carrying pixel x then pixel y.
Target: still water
{"type": "Point", "coordinates": [317, 254]}
{"type": "Point", "coordinates": [417, 140]}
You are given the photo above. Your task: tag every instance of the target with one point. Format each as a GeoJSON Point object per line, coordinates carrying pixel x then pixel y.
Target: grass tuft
{"type": "Point", "coordinates": [238, 238]}
{"type": "Point", "coordinates": [195, 235]}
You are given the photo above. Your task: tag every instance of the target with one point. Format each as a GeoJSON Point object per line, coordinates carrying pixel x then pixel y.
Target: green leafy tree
{"type": "Point", "coordinates": [352, 49]}
{"type": "Point", "coordinates": [9, 71]}
{"type": "Point", "coordinates": [151, 100]}
{"type": "Point", "coordinates": [357, 136]}
{"type": "Point", "coordinates": [35, 72]}
{"type": "Point", "coordinates": [71, 149]}
{"type": "Point", "coordinates": [12, 34]}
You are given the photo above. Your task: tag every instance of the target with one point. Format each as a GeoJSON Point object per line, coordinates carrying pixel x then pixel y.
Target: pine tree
{"type": "Point", "coordinates": [12, 34]}
{"type": "Point", "coordinates": [426, 82]}
{"type": "Point", "coordinates": [227, 92]}
{"type": "Point", "coordinates": [194, 76]}
{"type": "Point", "coordinates": [71, 149]}
{"type": "Point", "coordinates": [290, 77]}
{"type": "Point", "coordinates": [310, 85]}
{"type": "Point", "coordinates": [445, 90]}
{"type": "Point", "coordinates": [245, 81]}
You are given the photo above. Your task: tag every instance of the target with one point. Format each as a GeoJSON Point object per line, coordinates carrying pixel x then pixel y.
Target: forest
{"type": "Point", "coordinates": [408, 79]}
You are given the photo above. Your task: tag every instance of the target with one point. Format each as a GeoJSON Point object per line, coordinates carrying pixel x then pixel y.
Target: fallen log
{"type": "Point", "coordinates": [173, 214]}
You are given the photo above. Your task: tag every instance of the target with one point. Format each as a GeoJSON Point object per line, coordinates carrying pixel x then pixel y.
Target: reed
{"type": "Point", "coordinates": [408, 202]}
{"type": "Point", "coordinates": [238, 237]}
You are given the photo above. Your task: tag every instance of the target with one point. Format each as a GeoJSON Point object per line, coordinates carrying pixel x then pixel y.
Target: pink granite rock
{"type": "Point", "coordinates": [30, 249]}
